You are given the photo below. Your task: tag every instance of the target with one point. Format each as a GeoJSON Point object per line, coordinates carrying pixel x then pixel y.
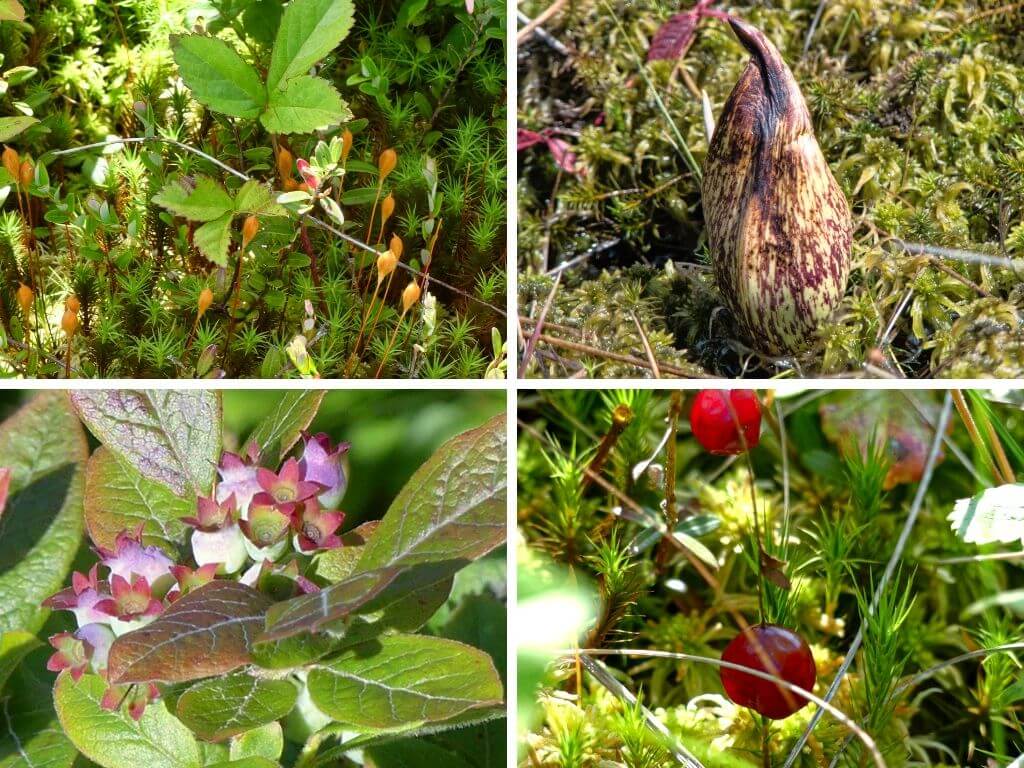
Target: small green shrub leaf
{"type": "Point", "coordinates": [267, 742]}
{"type": "Point", "coordinates": [406, 752]}
{"type": "Point", "coordinates": [994, 515]}
{"type": "Point", "coordinates": [223, 707]}
{"type": "Point", "coordinates": [207, 201]}
{"type": "Point", "coordinates": [207, 632]}
{"type": "Point", "coordinates": [398, 681]}
{"type": "Point", "coordinates": [11, 10]}
{"type": "Point", "coordinates": [218, 77]}
{"type": "Point", "coordinates": [30, 736]}
{"type": "Point", "coordinates": [451, 512]}
{"type": "Point", "coordinates": [258, 199]}
{"type": "Point", "coordinates": [14, 646]}
{"type": "Point", "coordinates": [214, 238]}
{"type": "Point", "coordinates": [118, 498]}
{"type": "Point", "coordinates": [246, 762]}
{"type": "Point", "coordinates": [310, 29]}
{"type": "Point", "coordinates": [12, 126]}
{"type": "Point", "coordinates": [41, 527]}
{"type": "Point", "coordinates": [113, 739]}
{"type": "Point", "coordinates": [170, 436]}
{"type": "Point", "coordinates": [304, 105]}
{"type": "Point", "coordinates": [281, 429]}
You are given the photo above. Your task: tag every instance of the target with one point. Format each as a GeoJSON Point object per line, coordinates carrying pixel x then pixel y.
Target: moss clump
{"type": "Point", "coordinates": [918, 109]}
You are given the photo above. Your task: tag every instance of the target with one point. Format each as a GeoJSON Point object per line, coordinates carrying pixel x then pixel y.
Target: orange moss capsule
{"type": "Point", "coordinates": [346, 145]}
{"type": "Point", "coordinates": [12, 162]}
{"type": "Point", "coordinates": [410, 296]}
{"type": "Point", "coordinates": [396, 246]}
{"type": "Point", "coordinates": [69, 322]}
{"type": "Point", "coordinates": [285, 163]}
{"type": "Point", "coordinates": [26, 173]}
{"type": "Point", "coordinates": [25, 298]}
{"type": "Point", "coordinates": [72, 303]}
{"type": "Point", "coordinates": [386, 264]}
{"type": "Point", "coordinates": [386, 163]}
{"type": "Point", "coordinates": [387, 207]}
{"type": "Point", "coordinates": [205, 300]}
{"type": "Point", "coordinates": [249, 230]}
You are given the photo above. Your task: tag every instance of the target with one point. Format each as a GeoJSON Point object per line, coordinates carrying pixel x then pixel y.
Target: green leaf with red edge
{"type": "Point", "coordinates": [44, 446]}
{"type": "Point", "coordinates": [206, 632]}
{"type": "Point", "coordinates": [223, 707]}
{"type": "Point", "coordinates": [281, 429]}
{"type": "Point", "coordinates": [172, 437]}
{"type": "Point", "coordinates": [118, 498]}
{"type": "Point", "coordinates": [450, 512]}
{"type": "Point", "coordinates": [112, 738]}
{"type": "Point", "coordinates": [849, 419]}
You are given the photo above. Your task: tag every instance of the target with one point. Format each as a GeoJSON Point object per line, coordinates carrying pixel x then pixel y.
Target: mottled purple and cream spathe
{"type": "Point", "coordinates": [778, 223]}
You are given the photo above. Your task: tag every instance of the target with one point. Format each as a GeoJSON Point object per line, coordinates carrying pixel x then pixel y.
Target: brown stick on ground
{"type": "Point", "coordinates": [540, 20]}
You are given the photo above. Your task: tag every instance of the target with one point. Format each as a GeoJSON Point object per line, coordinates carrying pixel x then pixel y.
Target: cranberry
{"type": "Point", "coordinates": [713, 424]}
{"type": "Point", "coordinates": [777, 651]}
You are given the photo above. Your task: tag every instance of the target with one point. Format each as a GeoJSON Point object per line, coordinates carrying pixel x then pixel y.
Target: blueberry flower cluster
{"type": "Point", "coordinates": [257, 522]}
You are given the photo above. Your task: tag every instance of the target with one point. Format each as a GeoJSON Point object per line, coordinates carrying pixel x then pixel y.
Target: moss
{"type": "Point", "coordinates": [918, 110]}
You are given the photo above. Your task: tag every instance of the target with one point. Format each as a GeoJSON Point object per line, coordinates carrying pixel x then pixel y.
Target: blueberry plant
{"type": "Point", "coordinates": [226, 614]}
{"type": "Point", "coordinates": [254, 188]}
{"type": "Point", "coordinates": [739, 578]}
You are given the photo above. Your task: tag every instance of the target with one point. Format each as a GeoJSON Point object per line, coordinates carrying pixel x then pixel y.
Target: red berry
{"type": "Point", "coordinates": [777, 651]}
{"type": "Point", "coordinates": [713, 423]}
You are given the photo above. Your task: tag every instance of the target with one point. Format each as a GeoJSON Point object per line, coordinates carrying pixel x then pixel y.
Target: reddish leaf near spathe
{"type": "Point", "coordinates": [561, 151]}
{"type": "Point", "coordinates": [675, 35]}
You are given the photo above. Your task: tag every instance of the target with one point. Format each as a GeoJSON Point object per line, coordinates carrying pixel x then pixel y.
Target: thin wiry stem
{"type": "Point", "coordinates": [823, 705]}
{"type": "Point", "coordinates": [901, 542]}
{"type": "Point", "coordinates": [600, 673]}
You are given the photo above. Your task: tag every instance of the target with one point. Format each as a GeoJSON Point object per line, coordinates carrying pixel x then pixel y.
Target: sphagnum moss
{"type": "Point", "coordinates": [918, 111]}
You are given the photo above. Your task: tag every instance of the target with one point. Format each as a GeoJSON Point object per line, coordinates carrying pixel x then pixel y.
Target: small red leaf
{"type": "Point", "coordinates": [675, 35]}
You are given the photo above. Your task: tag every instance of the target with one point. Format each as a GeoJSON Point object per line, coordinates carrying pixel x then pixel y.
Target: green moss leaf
{"type": "Point", "coordinates": [118, 498]}
{"type": "Point", "coordinates": [44, 447]}
{"type": "Point", "coordinates": [281, 429]}
{"type": "Point", "coordinates": [218, 77]}
{"type": "Point", "coordinates": [207, 632]}
{"type": "Point", "coordinates": [207, 201]}
{"type": "Point", "coordinates": [170, 436]}
{"type": "Point", "coordinates": [304, 105]}
{"type": "Point", "coordinates": [310, 29]}
{"type": "Point", "coordinates": [397, 681]}
{"type": "Point", "coordinates": [220, 708]}
{"type": "Point", "coordinates": [214, 238]}
{"type": "Point", "coordinates": [113, 739]}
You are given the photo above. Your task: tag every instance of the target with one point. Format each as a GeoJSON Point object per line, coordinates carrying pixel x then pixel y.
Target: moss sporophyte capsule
{"type": "Point", "coordinates": [778, 224]}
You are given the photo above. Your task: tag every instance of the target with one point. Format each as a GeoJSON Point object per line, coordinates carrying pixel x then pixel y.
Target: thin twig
{"type": "Point", "coordinates": [823, 705]}
{"type": "Point", "coordinates": [586, 349]}
{"type": "Point", "coordinates": [814, 26]}
{"type": "Point", "coordinates": [539, 21]}
{"type": "Point", "coordinates": [647, 345]}
{"type": "Point", "coordinates": [901, 542]}
{"type": "Point", "coordinates": [531, 344]}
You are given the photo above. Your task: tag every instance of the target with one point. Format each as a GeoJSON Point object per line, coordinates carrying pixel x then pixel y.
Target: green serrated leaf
{"type": "Point", "coordinates": [44, 447]}
{"type": "Point", "coordinates": [118, 498]}
{"type": "Point", "coordinates": [113, 739]}
{"type": "Point", "coordinates": [208, 631]}
{"type": "Point", "coordinates": [214, 238]}
{"type": "Point", "coordinates": [218, 77]}
{"type": "Point", "coordinates": [267, 742]}
{"type": "Point", "coordinates": [396, 681]}
{"type": "Point", "coordinates": [258, 199]}
{"type": "Point", "coordinates": [220, 708]}
{"type": "Point", "coordinates": [310, 29]}
{"type": "Point", "coordinates": [281, 429]}
{"type": "Point", "coordinates": [994, 515]}
{"type": "Point", "coordinates": [12, 126]}
{"type": "Point", "coordinates": [305, 104]}
{"type": "Point", "coordinates": [170, 436]}
{"type": "Point", "coordinates": [207, 201]}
